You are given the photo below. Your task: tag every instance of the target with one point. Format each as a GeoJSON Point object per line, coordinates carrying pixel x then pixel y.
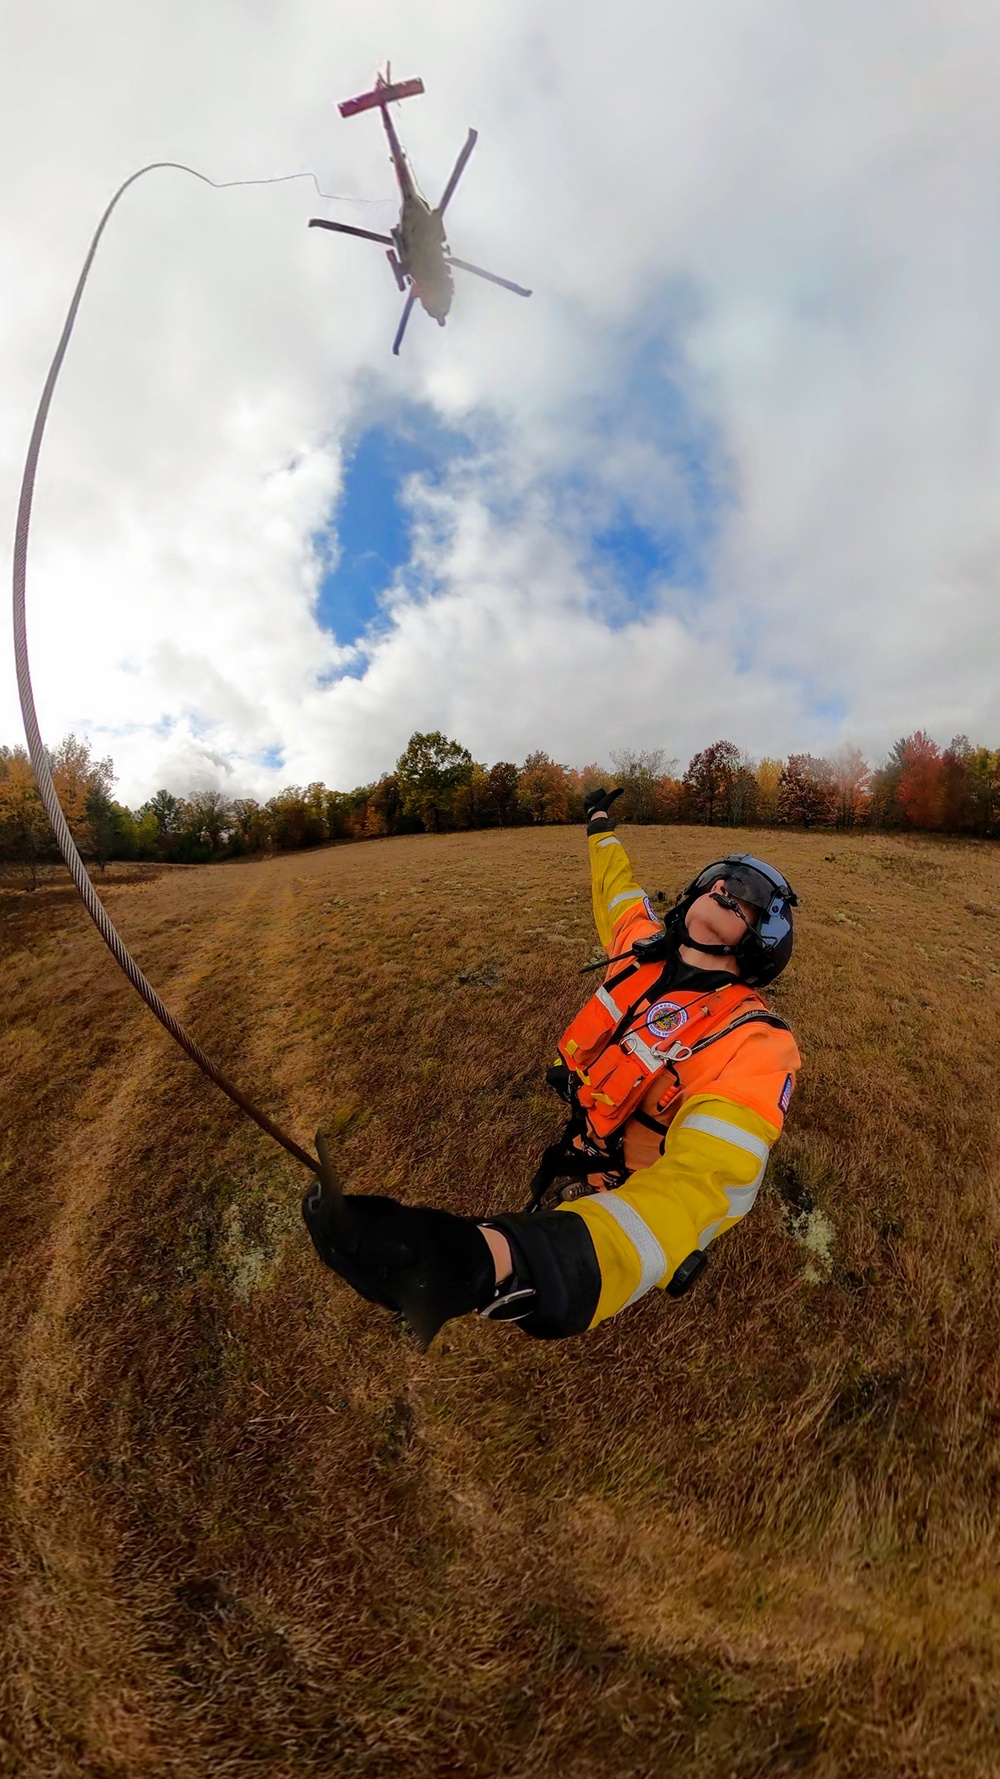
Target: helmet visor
{"type": "Point", "coordinates": [748, 884]}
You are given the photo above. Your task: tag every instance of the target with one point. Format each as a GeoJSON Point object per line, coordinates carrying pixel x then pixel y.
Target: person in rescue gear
{"type": "Point", "coordinates": [678, 1078]}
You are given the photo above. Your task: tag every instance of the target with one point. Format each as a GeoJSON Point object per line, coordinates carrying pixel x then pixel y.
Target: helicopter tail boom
{"type": "Point", "coordinates": [381, 95]}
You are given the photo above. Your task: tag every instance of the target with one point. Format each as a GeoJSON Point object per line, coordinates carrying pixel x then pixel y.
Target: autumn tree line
{"type": "Point", "coordinates": [437, 787]}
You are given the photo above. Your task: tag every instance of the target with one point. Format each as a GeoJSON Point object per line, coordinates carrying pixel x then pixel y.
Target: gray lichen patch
{"type": "Point", "coordinates": [253, 1239]}
{"type": "Point", "coordinates": [816, 1233]}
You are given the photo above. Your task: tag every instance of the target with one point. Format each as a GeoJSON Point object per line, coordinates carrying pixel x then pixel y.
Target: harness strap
{"type": "Point", "coordinates": [681, 1052]}
{"type": "Point", "coordinates": [563, 1161]}
{"type": "Point", "coordinates": [647, 995]}
{"type": "Point", "coordinates": [622, 976]}
{"type": "Point", "coordinates": [644, 1118]}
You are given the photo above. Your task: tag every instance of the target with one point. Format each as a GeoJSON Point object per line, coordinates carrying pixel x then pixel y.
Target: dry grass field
{"type": "Point", "coordinates": [246, 1528]}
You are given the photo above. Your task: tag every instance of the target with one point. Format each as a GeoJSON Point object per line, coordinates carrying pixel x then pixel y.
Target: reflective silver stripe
{"type": "Point", "coordinates": [626, 896]}
{"type": "Point", "coordinates": [651, 1255]}
{"type": "Point", "coordinates": [609, 840]}
{"type": "Point", "coordinates": [740, 1199]}
{"type": "Point", "coordinates": [608, 1003]}
{"type": "Point", "coordinates": [638, 1046]}
{"type": "Point", "coordinates": [730, 1133]}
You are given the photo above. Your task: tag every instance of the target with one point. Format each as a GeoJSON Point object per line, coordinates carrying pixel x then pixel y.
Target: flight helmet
{"type": "Point", "coordinates": [765, 948]}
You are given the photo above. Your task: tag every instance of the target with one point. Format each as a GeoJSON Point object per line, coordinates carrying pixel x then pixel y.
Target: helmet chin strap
{"type": "Point", "coordinates": [713, 950]}
{"type": "Point", "coordinates": [719, 950]}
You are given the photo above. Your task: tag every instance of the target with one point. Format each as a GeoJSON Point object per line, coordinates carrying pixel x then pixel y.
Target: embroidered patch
{"type": "Point", "coordinates": [785, 1095]}
{"type": "Point", "coordinates": [665, 1018]}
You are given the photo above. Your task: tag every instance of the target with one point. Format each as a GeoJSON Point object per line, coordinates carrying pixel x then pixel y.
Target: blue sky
{"type": "Point", "coordinates": [371, 523]}
{"type": "Point", "coordinates": [636, 541]}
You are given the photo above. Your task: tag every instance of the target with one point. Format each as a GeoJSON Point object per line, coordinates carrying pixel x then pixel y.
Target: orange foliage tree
{"type": "Point", "coordinates": [543, 789]}
{"type": "Point", "coordinates": [806, 796]}
{"type": "Point", "coordinates": [919, 793]}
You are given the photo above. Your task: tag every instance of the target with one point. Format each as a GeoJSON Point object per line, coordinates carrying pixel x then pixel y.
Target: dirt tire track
{"type": "Point", "coordinates": [102, 1146]}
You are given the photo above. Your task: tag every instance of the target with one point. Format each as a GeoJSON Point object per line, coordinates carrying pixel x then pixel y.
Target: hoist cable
{"type": "Point", "coordinates": [43, 776]}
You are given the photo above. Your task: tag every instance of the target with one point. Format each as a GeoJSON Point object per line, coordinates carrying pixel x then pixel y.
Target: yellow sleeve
{"type": "Point", "coordinates": [614, 890]}
{"type": "Point", "coordinates": [707, 1178]}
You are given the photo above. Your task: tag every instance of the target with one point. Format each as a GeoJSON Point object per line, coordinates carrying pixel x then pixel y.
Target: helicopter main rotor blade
{"type": "Point", "coordinates": [346, 228]}
{"type": "Point", "coordinates": [459, 168]}
{"type": "Point", "coordinates": [401, 329]}
{"type": "Point", "coordinates": [491, 277]}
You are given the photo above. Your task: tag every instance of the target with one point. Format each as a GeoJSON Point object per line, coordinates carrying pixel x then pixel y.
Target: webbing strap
{"type": "Point", "coordinates": [758, 1017]}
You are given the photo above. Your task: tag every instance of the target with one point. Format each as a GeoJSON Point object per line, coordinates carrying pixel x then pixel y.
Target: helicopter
{"type": "Point", "coordinates": [418, 250]}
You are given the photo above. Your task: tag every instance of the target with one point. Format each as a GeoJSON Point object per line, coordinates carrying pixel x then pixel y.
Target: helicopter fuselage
{"type": "Point", "coordinates": [418, 249]}
{"type": "Point", "coordinates": [419, 235]}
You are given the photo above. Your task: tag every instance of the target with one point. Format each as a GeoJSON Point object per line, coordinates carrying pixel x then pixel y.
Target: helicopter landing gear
{"type": "Point", "coordinates": [397, 270]}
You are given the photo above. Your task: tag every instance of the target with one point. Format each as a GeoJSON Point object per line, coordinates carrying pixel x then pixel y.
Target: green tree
{"type": "Point", "coordinates": [473, 807]}
{"type": "Point", "coordinates": [385, 806]}
{"type": "Point", "coordinates": [205, 823]}
{"type": "Point", "coordinates": [339, 809]}
{"type": "Point", "coordinates": [251, 829]}
{"type": "Point", "coordinates": [165, 811]}
{"type": "Point", "coordinates": [884, 803]}
{"type": "Point", "coordinates": [985, 792]}
{"type": "Point", "coordinates": [146, 833]}
{"type": "Point", "coordinates": [501, 792]}
{"type": "Point", "coordinates": [429, 772]}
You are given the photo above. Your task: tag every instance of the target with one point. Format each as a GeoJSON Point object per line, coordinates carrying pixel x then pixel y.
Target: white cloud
{"type": "Point", "coordinates": [794, 210]}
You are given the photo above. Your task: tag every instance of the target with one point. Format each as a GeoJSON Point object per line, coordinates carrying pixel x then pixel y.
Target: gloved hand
{"type": "Point", "coordinates": [419, 1262]}
{"type": "Point", "coordinates": [600, 800]}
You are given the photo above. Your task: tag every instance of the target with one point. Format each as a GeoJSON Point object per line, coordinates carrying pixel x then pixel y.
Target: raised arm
{"type": "Point", "coordinates": [614, 891]}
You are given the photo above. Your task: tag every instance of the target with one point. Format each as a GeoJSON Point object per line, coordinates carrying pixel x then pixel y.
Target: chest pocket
{"type": "Point", "coordinates": [613, 1089]}
{"type": "Point", "coordinates": [603, 1017]}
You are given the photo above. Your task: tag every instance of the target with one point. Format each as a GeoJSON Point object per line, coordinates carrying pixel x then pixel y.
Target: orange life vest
{"type": "Point", "coordinates": [628, 1035]}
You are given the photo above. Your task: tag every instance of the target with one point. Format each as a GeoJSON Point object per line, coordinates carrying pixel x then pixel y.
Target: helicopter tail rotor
{"type": "Point", "coordinates": [382, 94]}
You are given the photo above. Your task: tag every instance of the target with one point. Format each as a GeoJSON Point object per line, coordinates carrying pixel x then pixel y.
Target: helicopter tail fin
{"type": "Point", "coordinates": [382, 94]}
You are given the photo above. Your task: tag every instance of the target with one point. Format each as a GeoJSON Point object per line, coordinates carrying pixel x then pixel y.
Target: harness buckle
{"type": "Point", "coordinates": [679, 1053]}
{"type": "Point", "coordinates": [510, 1305]}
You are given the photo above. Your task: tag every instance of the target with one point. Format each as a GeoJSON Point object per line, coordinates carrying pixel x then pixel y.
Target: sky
{"type": "Point", "coordinates": [733, 470]}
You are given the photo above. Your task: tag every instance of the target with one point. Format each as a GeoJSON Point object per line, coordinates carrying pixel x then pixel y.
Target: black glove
{"type": "Point", "coordinates": [599, 802]}
{"type": "Point", "coordinates": [421, 1263]}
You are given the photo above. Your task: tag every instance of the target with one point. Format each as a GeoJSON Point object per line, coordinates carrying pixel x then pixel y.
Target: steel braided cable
{"type": "Point", "coordinates": [43, 777]}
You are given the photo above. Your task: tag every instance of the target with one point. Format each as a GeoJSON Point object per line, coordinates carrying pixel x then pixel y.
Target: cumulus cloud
{"type": "Point", "coordinates": [764, 247]}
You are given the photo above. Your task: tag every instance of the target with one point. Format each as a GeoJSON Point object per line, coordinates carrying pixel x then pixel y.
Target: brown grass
{"type": "Point", "coordinates": [245, 1528]}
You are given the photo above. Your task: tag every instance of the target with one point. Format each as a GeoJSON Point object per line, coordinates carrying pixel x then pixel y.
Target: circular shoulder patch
{"type": "Point", "coordinates": [665, 1017]}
